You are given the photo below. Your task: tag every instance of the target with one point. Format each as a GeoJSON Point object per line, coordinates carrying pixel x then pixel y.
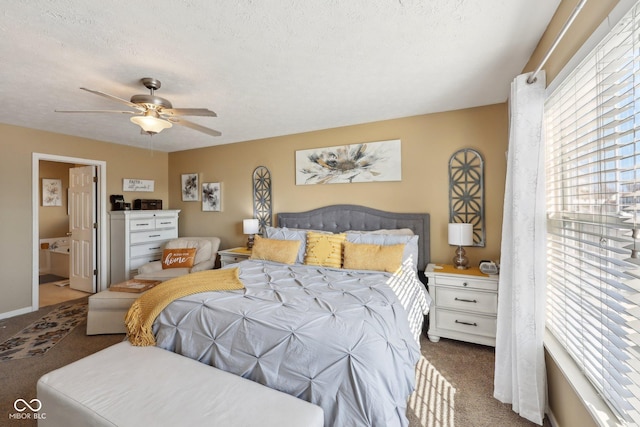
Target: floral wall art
{"type": "Point", "coordinates": [51, 192]}
{"type": "Point", "coordinates": [211, 197]}
{"type": "Point", "coordinates": [189, 184]}
{"type": "Point", "coordinates": [365, 162]}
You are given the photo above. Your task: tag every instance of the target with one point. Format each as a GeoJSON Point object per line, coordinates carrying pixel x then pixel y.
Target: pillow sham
{"type": "Point", "coordinates": [284, 233]}
{"type": "Point", "coordinates": [283, 251]}
{"type": "Point", "coordinates": [373, 257]}
{"type": "Point", "coordinates": [178, 258]}
{"type": "Point", "coordinates": [324, 249]}
{"type": "Point", "coordinates": [411, 243]}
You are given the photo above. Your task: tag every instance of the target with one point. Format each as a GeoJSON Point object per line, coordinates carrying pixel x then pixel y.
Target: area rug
{"type": "Point", "coordinates": [40, 337]}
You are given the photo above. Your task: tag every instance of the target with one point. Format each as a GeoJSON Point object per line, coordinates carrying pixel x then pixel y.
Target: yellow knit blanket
{"type": "Point", "coordinates": [140, 317]}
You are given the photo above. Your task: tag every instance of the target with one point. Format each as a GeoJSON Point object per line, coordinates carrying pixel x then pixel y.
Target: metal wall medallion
{"type": "Point", "coordinates": [466, 191]}
{"type": "Point", "coordinates": [262, 197]}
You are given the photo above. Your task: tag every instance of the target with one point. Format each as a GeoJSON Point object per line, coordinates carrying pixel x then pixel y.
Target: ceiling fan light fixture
{"type": "Point", "coordinates": [151, 124]}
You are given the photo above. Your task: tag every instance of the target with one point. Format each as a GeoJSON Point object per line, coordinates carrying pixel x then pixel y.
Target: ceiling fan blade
{"type": "Point", "coordinates": [96, 111]}
{"type": "Point", "coordinates": [195, 126]}
{"type": "Point", "coordinates": [114, 98]}
{"type": "Point", "coordinates": [188, 112]}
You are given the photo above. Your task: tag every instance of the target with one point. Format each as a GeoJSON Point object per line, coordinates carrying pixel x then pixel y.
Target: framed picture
{"type": "Point", "coordinates": [189, 185]}
{"type": "Point", "coordinates": [211, 197]}
{"type": "Point", "coordinates": [51, 192]}
{"type": "Point", "coordinates": [365, 162]}
{"type": "Point", "coordinates": [129, 184]}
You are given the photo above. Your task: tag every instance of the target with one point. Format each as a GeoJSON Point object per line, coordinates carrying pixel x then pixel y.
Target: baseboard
{"type": "Point", "coordinates": [552, 420]}
{"type": "Point", "coordinates": [15, 313]}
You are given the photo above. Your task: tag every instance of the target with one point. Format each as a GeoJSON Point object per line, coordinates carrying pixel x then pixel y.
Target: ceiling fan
{"type": "Point", "coordinates": [153, 113]}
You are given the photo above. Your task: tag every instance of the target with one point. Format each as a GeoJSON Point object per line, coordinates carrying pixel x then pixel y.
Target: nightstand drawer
{"type": "Point", "coordinates": [466, 323]}
{"type": "Point", "coordinates": [231, 259]}
{"type": "Point", "coordinates": [467, 300]}
{"type": "Point", "coordinates": [467, 282]}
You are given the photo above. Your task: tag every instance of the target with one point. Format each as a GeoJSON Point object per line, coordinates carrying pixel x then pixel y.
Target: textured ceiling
{"type": "Point", "coordinates": [267, 68]}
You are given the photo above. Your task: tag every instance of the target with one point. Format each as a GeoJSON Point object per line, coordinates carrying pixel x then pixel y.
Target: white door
{"type": "Point", "coordinates": [82, 230]}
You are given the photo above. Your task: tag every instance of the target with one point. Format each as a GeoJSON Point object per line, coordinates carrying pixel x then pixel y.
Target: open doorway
{"type": "Point", "coordinates": [47, 294]}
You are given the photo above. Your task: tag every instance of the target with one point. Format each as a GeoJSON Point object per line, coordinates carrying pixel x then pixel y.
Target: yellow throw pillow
{"type": "Point", "coordinates": [284, 251]}
{"type": "Point", "coordinates": [324, 249]}
{"type": "Point", "coordinates": [178, 258]}
{"type": "Point", "coordinates": [373, 257]}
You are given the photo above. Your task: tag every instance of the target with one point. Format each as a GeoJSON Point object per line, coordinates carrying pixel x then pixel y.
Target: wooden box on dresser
{"type": "Point", "coordinates": [465, 304]}
{"type": "Point", "coordinates": [137, 237]}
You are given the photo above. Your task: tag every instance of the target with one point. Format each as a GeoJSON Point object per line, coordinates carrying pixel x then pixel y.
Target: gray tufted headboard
{"type": "Point", "coordinates": [339, 218]}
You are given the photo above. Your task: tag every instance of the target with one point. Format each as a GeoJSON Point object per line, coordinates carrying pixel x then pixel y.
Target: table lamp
{"type": "Point", "coordinates": [250, 227]}
{"type": "Point", "coordinates": [460, 234]}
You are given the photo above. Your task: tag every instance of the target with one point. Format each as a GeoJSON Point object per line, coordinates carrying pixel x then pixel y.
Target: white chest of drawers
{"type": "Point", "coordinates": [465, 305]}
{"type": "Point", "coordinates": [137, 237]}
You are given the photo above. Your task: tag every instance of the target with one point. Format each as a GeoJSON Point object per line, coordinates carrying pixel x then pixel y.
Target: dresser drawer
{"type": "Point", "coordinates": [467, 300]}
{"type": "Point", "coordinates": [153, 248]}
{"type": "Point", "coordinates": [467, 282]}
{"type": "Point", "coordinates": [141, 224]}
{"type": "Point", "coordinates": [136, 263]}
{"type": "Point", "coordinates": [467, 323]}
{"type": "Point", "coordinates": [166, 222]}
{"type": "Point", "coordinates": [151, 236]}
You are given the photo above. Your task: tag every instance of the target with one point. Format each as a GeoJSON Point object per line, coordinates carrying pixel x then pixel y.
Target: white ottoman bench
{"type": "Point", "coordinates": [106, 312]}
{"type": "Point", "coordinates": [124, 385]}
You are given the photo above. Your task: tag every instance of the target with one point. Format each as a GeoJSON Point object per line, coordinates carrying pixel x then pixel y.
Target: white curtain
{"type": "Point", "coordinates": [520, 377]}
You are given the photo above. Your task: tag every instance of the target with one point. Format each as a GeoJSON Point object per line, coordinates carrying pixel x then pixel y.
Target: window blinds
{"type": "Point", "coordinates": [593, 210]}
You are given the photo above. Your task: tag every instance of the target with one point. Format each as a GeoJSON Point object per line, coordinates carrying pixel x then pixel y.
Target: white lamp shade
{"type": "Point", "coordinates": [250, 226]}
{"type": "Point", "coordinates": [460, 234]}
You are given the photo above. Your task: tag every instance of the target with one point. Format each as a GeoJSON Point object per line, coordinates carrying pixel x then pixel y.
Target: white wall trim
{"type": "Point", "coordinates": [551, 418]}
{"type": "Point", "coordinates": [585, 391]}
{"type": "Point", "coordinates": [17, 312]}
{"type": "Point", "coordinates": [101, 215]}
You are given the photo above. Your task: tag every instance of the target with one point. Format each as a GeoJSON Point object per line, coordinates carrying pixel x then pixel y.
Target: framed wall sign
{"type": "Point", "coordinates": [129, 184]}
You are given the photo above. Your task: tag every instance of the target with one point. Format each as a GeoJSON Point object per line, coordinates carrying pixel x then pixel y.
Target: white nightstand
{"type": "Point", "coordinates": [465, 304]}
{"type": "Point", "coordinates": [232, 256]}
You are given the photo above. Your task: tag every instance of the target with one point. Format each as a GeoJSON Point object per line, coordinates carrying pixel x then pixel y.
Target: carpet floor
{"type": "Point", "coordinates": [454, 379]}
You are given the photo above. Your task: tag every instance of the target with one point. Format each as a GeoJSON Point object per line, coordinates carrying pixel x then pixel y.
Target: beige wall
{"type": "Point", "coordinates": [567, 409]}
{"type": "Point", "coordinates": [428, 141]}
{"type": "Point", "coordinates": [16, 147]}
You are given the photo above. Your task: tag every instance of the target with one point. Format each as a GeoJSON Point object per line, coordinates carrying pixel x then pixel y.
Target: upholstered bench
{"type": "Point", "coordinates": [124, 385]}
{"type": "Point", "coordinates": [106, 312]}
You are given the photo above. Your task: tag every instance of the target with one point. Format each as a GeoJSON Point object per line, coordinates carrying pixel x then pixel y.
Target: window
{"type": "Point", "coordinates": [593, 210]}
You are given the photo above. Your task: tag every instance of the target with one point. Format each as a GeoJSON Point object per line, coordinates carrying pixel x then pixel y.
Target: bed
{"type": "Point", "coordinates": [346, 339]}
